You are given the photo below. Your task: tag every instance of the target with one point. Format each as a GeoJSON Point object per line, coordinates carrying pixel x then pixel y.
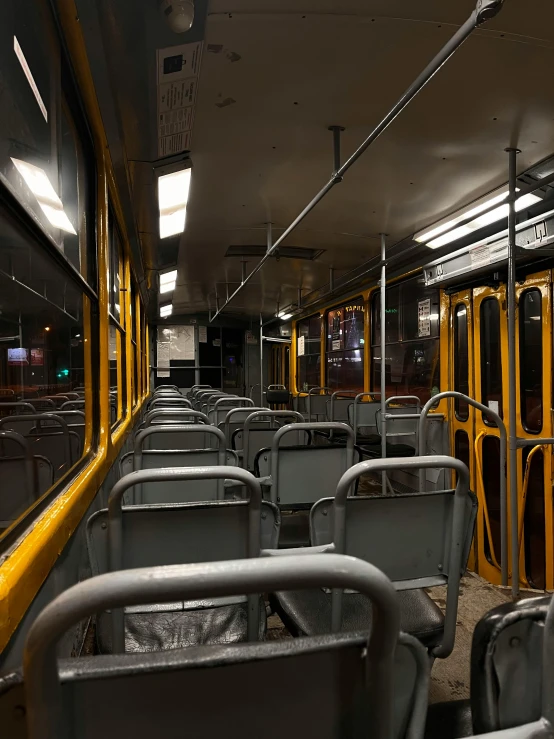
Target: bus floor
{"type": "Point", "coordinates": [449, 677]}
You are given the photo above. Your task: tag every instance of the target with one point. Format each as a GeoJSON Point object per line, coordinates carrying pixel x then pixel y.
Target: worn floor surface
{"type": "Point", "coordinates": [450, 677]}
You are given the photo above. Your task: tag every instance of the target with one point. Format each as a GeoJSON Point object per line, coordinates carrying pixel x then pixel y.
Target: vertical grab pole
{"type": "Point", "coordinates": [261, 362]}
{"type": "Point", "coordinates": [383, 378]}
{"type": "Point", "coordinates": [512, 396]}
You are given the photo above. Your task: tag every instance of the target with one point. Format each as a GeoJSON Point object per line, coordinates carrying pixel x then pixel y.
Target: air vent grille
{"type": "Point", "coordinates": [283, 252]}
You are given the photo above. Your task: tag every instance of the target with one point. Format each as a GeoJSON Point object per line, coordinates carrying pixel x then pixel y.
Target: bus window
{"type": "Point", "coordinates": [530, 360]}
{"type": "Point", "coordinates": [345, 346]}
{"type": "Point", "coordinates": [461, 361]}
{"type": "Point", "coordinates": [491, 364]}
{"type": "Point", "coordinates": [309, 363]}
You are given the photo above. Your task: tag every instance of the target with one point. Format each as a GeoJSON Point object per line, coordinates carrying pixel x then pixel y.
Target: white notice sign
{"type": "Point", "coordinates": [424, 317]}
{"type": "Point", "coordinates": [163, 359]}
{"type": "Point", "coordinates": [202, 334]}
{"type": "Point", "coordinates": [178, 70]}
{"type": "Point", "coordinates": [301, 346]}
{"type": "Point", "coordinates": [493, 405]}
{"type": "Point", "coordinates": [250, 338]}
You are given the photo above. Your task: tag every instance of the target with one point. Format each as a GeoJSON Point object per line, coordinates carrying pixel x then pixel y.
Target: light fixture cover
{"type": "Point", "coordinates": [173, 195]}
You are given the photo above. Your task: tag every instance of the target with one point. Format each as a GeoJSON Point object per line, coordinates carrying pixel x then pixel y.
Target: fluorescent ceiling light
{"type": "Point", "coordinates": [173, 194]}
{"type": "Point", "coordinates": [168, 277]}
{"type": "Point", "coordinates": [168, 281]}
{"type": "Point", "coordinates": [38, 183]}
{"type": "Point", "coordinates": [166, 310]}
{"type": "Point", "coordinates": [446, 233]}
{"type": "Point", "coordinates": [284, 316]}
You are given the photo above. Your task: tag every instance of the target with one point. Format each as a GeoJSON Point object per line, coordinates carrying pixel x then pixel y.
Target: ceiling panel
{"type": "Point", "coordinates": [275, 74]}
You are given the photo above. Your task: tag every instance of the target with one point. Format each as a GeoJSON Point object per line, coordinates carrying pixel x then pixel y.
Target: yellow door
{"type": "Point", "coordinates": [533, 393]}
{"type": "Point", "coordinates": [462, 379]}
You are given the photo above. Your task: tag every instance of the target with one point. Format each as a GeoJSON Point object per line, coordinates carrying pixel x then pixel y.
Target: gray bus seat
{"type": "Point", "coordinates": [152, 535]}
{"type": "Point", "coordinates": [25, 478]}
{"type": "Point", "coordinates": [16, 410]}
{"type": "Point", "coordinates": [73, 405]}
{"type": "Point", "coordinates": [60, 445]}
{"type": "Point", "coordinates": [507, 673]}
{"type": "Point", "coordinates": [177, 436]}
{"type": "Point", "coordinates": [169, 416]}
{"type": "Point", "coordinates": [169, 492]}
{"type": "Point", "coordinates": [168, 402]}
{"type": "Point", "coordinates": [235, 419]}
{"type": "Point", "coordinates": [418, 541]}
{"type": "Point", "coordinates": [179, 492]}
{"type": "Point", "coordinates": [300, 476]}
{"type": "Point", "coordinates": [362, 418]}
{"type": "Point", "coordinates": [218, 412]}
{"type": "Point", "coordinates": [506, 665]}
{"type": "Point", "coordinates": [325, 687]}
{"type": "Point", "coordinates": [195, 388]}
{"type": "Point", "coordinates": [75, 423]}
{"type": "Point", "coordinates": [255, 435]}
{"type": "Point", "coordinates": [316, 403]}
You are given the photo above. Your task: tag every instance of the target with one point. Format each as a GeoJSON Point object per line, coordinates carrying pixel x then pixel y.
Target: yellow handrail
{"type": "Point", "coordinates": [482, 499]}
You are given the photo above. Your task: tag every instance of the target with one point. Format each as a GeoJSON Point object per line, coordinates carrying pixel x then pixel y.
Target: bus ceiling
{"type": "Point", "coordinates": [245, 99]}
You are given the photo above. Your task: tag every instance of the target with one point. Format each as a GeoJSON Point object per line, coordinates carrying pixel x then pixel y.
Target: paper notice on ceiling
{"type": "Point", "coordinates": [301, 346]}
{"type": "Point", "coordinates": [163, 359]}
{"type": "Point", "coordinates": [424, 317]}
{"type": "Point", "coordinates": [178, 70]}
{"type": "Point", "coordinates": [202, 334]}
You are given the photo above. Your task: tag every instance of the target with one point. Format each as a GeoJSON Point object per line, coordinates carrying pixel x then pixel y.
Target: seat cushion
{"type": "Point", "coordinates": [295, 530]}
{"type": "Point", "coordinates": [308, 613]}
{"type": "Point", "coordinates": [160, 630]}
{"type": "Point", "coordinates": [450, 720]}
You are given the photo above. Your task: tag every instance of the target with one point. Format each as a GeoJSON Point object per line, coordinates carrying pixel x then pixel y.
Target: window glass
{"type": "Point", "coordinates": [42, 161]}
{"type": "Point", "coordinates": [345, 346]}
{"type": "Point", "coordinates": [44, 329]}
{"type": "Point", "coordinates": [412, 364]}
{"type": "Point", "coordinates": [491, 486]}
{"type": "Point", "coordinates": [118, 389]}
{"type": "Point", "coordinates": [530, 360]}
{"type": "Point", "coordinates": [135, 358]}
{"type": "Point", "coordinates": [287, 367]}
{"type": "Point", "coordinates": [461, 361]}
{"type": "Point", "coordinates": [534, 529]}
{"type": "Point", "coordinates": [392, 316]}
{"type": "Point", "coordinates": [491, 364]}
{"type": "Point", "coordinates": [309, 364]}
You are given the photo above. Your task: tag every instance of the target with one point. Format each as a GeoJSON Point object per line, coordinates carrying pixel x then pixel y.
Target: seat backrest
{"type": "Point", "coordinates": [173, 415]}
{"type": "Point", "coordinates": [507, 665]}
{"type": "Point", "coordinates": [399, 421]}
{"type": "Point", "coordinates": [299, 475]}
{"type": "Point", "coordinates": [432, 531]}
{"type": "Point", "coordinates": [176, 492]}
{"type": "Point", "coordinates": [278, 396]}
{"type": "Point", "coordinates": [57, 442]}
{"type": "Point", "coordinates": [362, 416]}
{"type": "Point", "coordinates": [139, 536]}
{"type": "Point", "coordinates": [73, 405]}
{"type": "Point", "coordinates": [316, 403]}
{"type": "Point", "coordinates": [381, 691]}
{"type": "Point", "coordinates": [255, 436]}
{"type": "Point", "coordinates": [179, 436]}
{"type": "Point", "coordinates": [24, 477]}
{"type": "Point", "coordinates": [220, 408]}
{"type": "Point", "coordinates": [169, 402]}
{"type": "Point", "coordinates": [235, 418]}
